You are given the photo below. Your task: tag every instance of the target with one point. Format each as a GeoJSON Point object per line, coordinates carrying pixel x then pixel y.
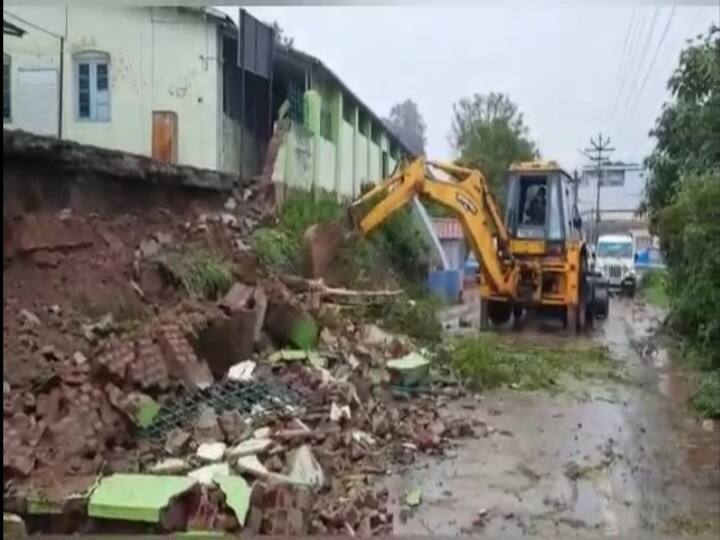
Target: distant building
{"type": "Point", "coordinates": [452, 239]}
{"type": "Point", "coordinates": [621, 192]}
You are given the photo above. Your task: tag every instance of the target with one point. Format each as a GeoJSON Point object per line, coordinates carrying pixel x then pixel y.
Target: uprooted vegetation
{"type": "Point", "coordinates": [488, 362]}
{"type": "Point", "coordinates": [395, 249]}
{"type": "Point", "coordinates": [201, 273]}
{"type": "Point", "coordinates": [393, 256]}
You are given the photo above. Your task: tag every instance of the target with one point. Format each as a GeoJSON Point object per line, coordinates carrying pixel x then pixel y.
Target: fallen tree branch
{"type": "Point", "coordinates": [337, 294]}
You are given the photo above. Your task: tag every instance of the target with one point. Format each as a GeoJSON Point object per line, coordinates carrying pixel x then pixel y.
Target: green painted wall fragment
{"type": "Point", "coordinates": [237, 494]}
{"type": "Point", "coordinates": [136, 497]}
{"type": "Point", "coordinates": [304, 333]}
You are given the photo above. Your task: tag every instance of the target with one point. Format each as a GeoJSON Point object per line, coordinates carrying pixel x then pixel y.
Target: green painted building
{"type": "Point", "coordinates": [330, 140]}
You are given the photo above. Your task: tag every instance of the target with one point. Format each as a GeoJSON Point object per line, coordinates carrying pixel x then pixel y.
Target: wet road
{"type": "Point", "coordinates": [597, 459]}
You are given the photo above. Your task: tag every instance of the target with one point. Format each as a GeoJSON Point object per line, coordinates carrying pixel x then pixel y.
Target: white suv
{"type": "Point", "coordinates": [615, 261]}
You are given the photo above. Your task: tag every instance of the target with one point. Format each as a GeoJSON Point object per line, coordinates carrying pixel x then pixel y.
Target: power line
{"type": "Point", "coordinates": [634, 38]}
{"type": "Point", "coordinates": [618, 77]}
{"type": "Point", "coordinates": [655, 56]}
{"type": "Point", "coordinates": [644, 53]}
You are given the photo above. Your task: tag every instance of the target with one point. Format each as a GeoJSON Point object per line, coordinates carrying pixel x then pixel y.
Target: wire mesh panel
{"type": "Point", "coordinates": [252, 398]}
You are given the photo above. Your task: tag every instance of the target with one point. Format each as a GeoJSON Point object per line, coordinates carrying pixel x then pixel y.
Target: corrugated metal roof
{"type": "Point", "coordinates": [448, 229]}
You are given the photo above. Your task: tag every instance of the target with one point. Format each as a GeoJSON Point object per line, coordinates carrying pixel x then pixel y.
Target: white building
{"type": "Point", "coordinates": [156, 81]}
{"type": "Point", "coordinates": [621, 191]}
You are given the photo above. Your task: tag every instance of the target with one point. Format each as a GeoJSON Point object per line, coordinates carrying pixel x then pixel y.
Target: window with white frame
{"type": "Point", "coordinates": [7, 111]}
{"type": "Point", "coordinates": [92, 91]}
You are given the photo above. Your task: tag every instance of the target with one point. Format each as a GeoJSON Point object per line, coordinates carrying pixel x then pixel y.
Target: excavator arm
{"type": "Point", "coordinates": [467, 195]}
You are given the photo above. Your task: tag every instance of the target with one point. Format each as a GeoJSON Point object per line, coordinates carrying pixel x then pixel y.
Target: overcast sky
{"type": "Point", "coordinates": [560, 63]}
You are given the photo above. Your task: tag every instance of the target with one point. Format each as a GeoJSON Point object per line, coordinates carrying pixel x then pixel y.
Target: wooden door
{"type": "Point", "coordinates": [164, 136]}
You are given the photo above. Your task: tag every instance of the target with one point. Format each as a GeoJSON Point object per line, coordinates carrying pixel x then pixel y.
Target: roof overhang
{"type": "Point", "coordinates": [11, 30]}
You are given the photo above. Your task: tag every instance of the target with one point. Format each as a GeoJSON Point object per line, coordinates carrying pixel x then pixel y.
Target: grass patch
{"type": "Point", "coordinates": [488, 362]}
{"type": "Point", "coordinates": [707, 396]}
{"type": "Point", "coordinates": [201, 273]}
{"type": "Point", "coordinates": [686, 525]}
{"type": "Point", "coordinates": [654, 287]}
{"type": "Point", "coordinates": [275, 249]}
{"type": "Point", "coordinates": [414, 317]}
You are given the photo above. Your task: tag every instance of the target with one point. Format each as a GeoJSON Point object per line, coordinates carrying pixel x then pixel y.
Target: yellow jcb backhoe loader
{"type": "Point", "coordinates": [535, 259]}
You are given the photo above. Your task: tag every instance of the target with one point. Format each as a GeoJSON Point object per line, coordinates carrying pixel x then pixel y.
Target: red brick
{"type": "Point", "coordinates": [18, 459]}
{"type": "Point", "coordinates": [180, 358]}
{"type": "Point", "coordinates": [117, 359]}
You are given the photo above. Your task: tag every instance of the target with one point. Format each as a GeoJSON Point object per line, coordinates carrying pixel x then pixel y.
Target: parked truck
{"type": "Point", "coordinates": [615, 262]}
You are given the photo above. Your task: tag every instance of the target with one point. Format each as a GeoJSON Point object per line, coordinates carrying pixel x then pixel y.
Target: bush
{"type": "Point", "coordinates": [654, 286]}
{"type": "Point", "coordinates": [707, 397]}
{"type": "Point", "coordinates": [690, 231]}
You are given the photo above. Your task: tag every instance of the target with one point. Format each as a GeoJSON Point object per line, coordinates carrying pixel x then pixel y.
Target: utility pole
{"type": "Point", "coordinates": [599, 146]}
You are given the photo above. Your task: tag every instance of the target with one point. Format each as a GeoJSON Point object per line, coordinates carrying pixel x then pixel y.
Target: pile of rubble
{"type": "Point", "coordinates": [266, 410]}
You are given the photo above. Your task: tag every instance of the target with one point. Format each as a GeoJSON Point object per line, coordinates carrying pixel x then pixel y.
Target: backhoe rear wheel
{"type": "Point", "coordinates": [499, 312]}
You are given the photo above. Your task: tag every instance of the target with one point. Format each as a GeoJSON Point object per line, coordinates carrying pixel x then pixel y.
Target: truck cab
{"type": "Point", "coordinates": [615, 262]}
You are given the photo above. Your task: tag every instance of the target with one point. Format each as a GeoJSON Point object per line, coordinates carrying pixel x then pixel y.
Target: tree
{"type": "Point", "coordinates": [488, 132]}
{"type": "Point", "coordinates": [408, 125]}
{"type": "Point", "coordinates": [281, 38]}
{"type": "Point", "coordinates": [687, 132]}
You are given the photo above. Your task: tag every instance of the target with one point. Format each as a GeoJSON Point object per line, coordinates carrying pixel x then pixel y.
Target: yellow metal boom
{"type": "Point", "coordinates": [468, 195]}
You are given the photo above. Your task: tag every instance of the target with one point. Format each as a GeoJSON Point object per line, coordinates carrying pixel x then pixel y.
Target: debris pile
{"type": "Point", "coordinates": [263, 409]}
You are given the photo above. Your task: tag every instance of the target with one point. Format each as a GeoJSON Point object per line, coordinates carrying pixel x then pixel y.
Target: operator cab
{"type": "Point", "coordinates": [539, 203]}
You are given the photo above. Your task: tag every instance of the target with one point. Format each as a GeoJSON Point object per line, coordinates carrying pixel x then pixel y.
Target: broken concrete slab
{"type": "Point", "coordinates": [305, 468]}
{"type": "Point", "coordinates": [137, 497]}
{"type": "Point", "coordinates": [251, 465]}
{"type": "Point", "coordinates": [289, 324]}
{"type": "Point", "coordinates": [337, 413]}
{"type": "Point", "coordinates": [29, 317]}
{"type": "Point", "coordinates": [250, 447]}
{"type": "Point", "coordinates": [237, 494]}
{"type": "Point", "coordinates": [205, 474]}
{"type": "Point", "coordinates": [413, 497]}
{"type": "Point", "coordinates": [410, 370]}
{"type": "Point", "coordinates": [314, 358]}
{"type": "Point", "coordinates": [373, 335]}
{"type": "Point", "coordinates": [242, 371]}
{"type": "Point", "coordinates": [320, 244]}
{"type": "Point", "coordinates": [211, 451]}
{"type": "Point", "coordinates": [170, 466]}
{"type": "Point", "coordinates": [13, 526]}
{"type": "Point", "coordinates": [207, 427]}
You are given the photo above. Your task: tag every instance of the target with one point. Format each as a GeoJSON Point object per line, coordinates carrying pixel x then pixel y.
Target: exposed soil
{"type": "Point", "coordinates": [599, 458]}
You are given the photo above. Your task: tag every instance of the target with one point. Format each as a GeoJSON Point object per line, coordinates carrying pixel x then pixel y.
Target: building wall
{"type": "Point", "coordinates": [161, 59]}
{"type": "Point", "coordinates": [341, 163]}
